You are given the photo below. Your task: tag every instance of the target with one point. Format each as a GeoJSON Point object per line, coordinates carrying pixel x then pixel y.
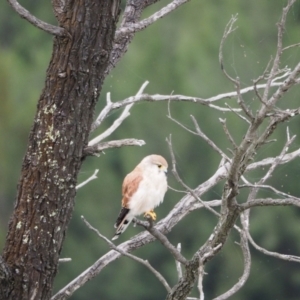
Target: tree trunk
{"type": "Point", "coordinates": [46, 191]}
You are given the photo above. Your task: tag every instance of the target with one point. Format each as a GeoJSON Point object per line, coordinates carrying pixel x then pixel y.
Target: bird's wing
{"type": "Point", "coordinates": [130, 185]}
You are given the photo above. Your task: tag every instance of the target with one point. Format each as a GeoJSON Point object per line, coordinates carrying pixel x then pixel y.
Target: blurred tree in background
{"type": "Point", "coordinates": [177, 55]}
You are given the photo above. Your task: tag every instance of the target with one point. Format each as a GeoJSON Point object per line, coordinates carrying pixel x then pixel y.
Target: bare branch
{"type": "Point", "coordinates": [228, 30]}
{"type": "Point", "coordinates": [268, 161]}
{"type": "Point", "coordinates": [100, 147]}
{"type": "Point", "coordinates": [247, 265]}
{"type": "Point", "coordinates": [178, 264]}
{"type": "Point", "coordinates": [227, 133]}
{"type": "Point", "coordinates": [264, 186]}
{"type": "Point", "coordinates": [200, 281]}
{"type": "Point", "coordinates": [182, 98]}
{"type": "Point", "coordinates": [209, 141]}
{"type": "Point", "coordinates": [177, 177]}
{"type": "Point", "coordinates": [163, 239]}
{"type": "Point", "coordinates": [136, 27]}
{"type": "Point", "coordinates": [186, 205]}
{"type": "Point", "coordinates": [199, 133]}
{"type": "Point", "coordinates": [103, 114]}
{"type": "Point", "coordinates": [287, 84]}
{"type": "Point", "coordinates": [63, 260]}
{"type": "Point", "coordinates": [255, 82]}
{"type": "Point", "coordinates": [270, 202]}
{"type": "Point", "coordinates": [117, 122]}
{"type": "Point", "coordinates": [135, 258]}
{"type": "Point", "coordinates": [291, 46]}
{"type": "Point", "coordinates": [292, 258]}
{"type": "Point", "coordinates": [182, 208]}
{"type": "Point", "coordinates": [239, 115]}
{"type": "Point", "coordinates": [25, 14]}
{"type": "Point", "coordinates": [275, 163]}
{"type": "Point", "coordinates": [275, 67]}
{"type": "Point", "coordinates": [94, 176]}
{"type": "Point", "coordinates": [132, 15]}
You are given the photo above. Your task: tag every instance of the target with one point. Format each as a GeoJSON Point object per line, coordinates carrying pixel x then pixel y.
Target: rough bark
{"type": "Point", "coordinates": [46, 190]}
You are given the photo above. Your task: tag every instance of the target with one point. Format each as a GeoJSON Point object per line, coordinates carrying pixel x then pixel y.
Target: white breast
{"type": "Point", "coordinates": [149, 194]}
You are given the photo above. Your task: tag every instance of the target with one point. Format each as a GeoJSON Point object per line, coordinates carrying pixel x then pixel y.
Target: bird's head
{"type": "Point", "coordinates": [156, 162]}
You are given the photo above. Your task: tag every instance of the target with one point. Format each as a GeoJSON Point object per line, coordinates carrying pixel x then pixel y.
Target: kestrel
{"type": "Point", "coordinates": [143, 189]}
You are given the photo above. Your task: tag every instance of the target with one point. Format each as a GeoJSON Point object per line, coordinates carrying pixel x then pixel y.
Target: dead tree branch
{"type": "Point", "coordinates": [135, 258]}
{"type": "Point", "coordinates": [25, 14]}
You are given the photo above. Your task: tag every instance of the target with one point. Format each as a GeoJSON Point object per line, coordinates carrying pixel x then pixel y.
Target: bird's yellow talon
{"type": "Point", "coordinates": [150, 214]}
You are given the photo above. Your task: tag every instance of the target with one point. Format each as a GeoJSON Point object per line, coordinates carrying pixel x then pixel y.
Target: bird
{"type": "Point", "coordinates": [143, 189]}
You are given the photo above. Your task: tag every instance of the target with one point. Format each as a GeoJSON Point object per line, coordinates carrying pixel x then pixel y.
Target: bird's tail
{"type": "Point", "coordinates": [122, 222]}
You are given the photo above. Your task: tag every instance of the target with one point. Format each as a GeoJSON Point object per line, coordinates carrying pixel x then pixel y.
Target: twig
{"type": "Point", "coordinates": [103, 114]}
{"type": "Point", "coordinates": [227, 133]}
{"type": "Point", "coordinates": [118, 121]}
{"type": "Point", "coordinates": [241, 101]}
{"type": "Point", "coordinates": [228, 30]}
{"type": "Point", "coordinates": [264, 186]}
{"type": "Point", "coordinates": [239, 115]}
{"type": "Point", "coordinates": [278, 159]}
{"type": "Point", "coordinates": [255, 82]}
{"type": "Point", "coordinates": [180, 98]}
{"type": "Point", "coordinates": [135, 258]}
{"type": "Point", "coordinates": [94, 176]}
{"type": "Point", "coordinates": [98, 148]}
{"type": "Point", "coordinates": [292, 258]}
{"type": "Point", "coordinates": [247, 265]}
{"type": "Point", "coordinates": [178, 265]}
{"type": "Point", "coordinates": [268, 161]}
{"type": "Point", "coordinates": [276, 62]}
{"type": "Point", "coordinates": [25, 14]}
{"type": "Point", "coordinates": [177, 177]}
{"type": "Point", "coordinates": [163, 239]}
{"type": "Point", "coordinates": [63, 260]}
{"type": "Point", "coordinates": [197, 100]}
{"type": "Point", "coordinates": [200, 281]}
{"type": "Point", "coordinates": [291, 46]}
{"type": "Point", "coordinates": [273, 166]}
{"type": "Point", "coordinates": [209, 141]}
{"type": "Point", "coordinates": [270, 202]}
{"type": "Point", "coordinates": [138, 26]}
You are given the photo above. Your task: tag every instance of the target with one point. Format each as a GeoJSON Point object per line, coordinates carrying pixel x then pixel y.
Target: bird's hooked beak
{"type": "Point", "coordinates": [165, 171]}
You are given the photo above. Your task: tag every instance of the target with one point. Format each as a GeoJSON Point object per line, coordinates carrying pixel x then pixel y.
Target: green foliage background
{"type": "Point", "coordinates": [178, 54]}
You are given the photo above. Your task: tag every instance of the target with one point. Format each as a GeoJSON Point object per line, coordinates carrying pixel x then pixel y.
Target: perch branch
{"type": "Point", "coordinates": [163, 239]}
{"type": "Point", "coordinates": [133, 257]}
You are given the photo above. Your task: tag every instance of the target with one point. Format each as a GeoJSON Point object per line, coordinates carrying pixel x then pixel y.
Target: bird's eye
{"type": "Point", "coordinates": [159, 166]}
